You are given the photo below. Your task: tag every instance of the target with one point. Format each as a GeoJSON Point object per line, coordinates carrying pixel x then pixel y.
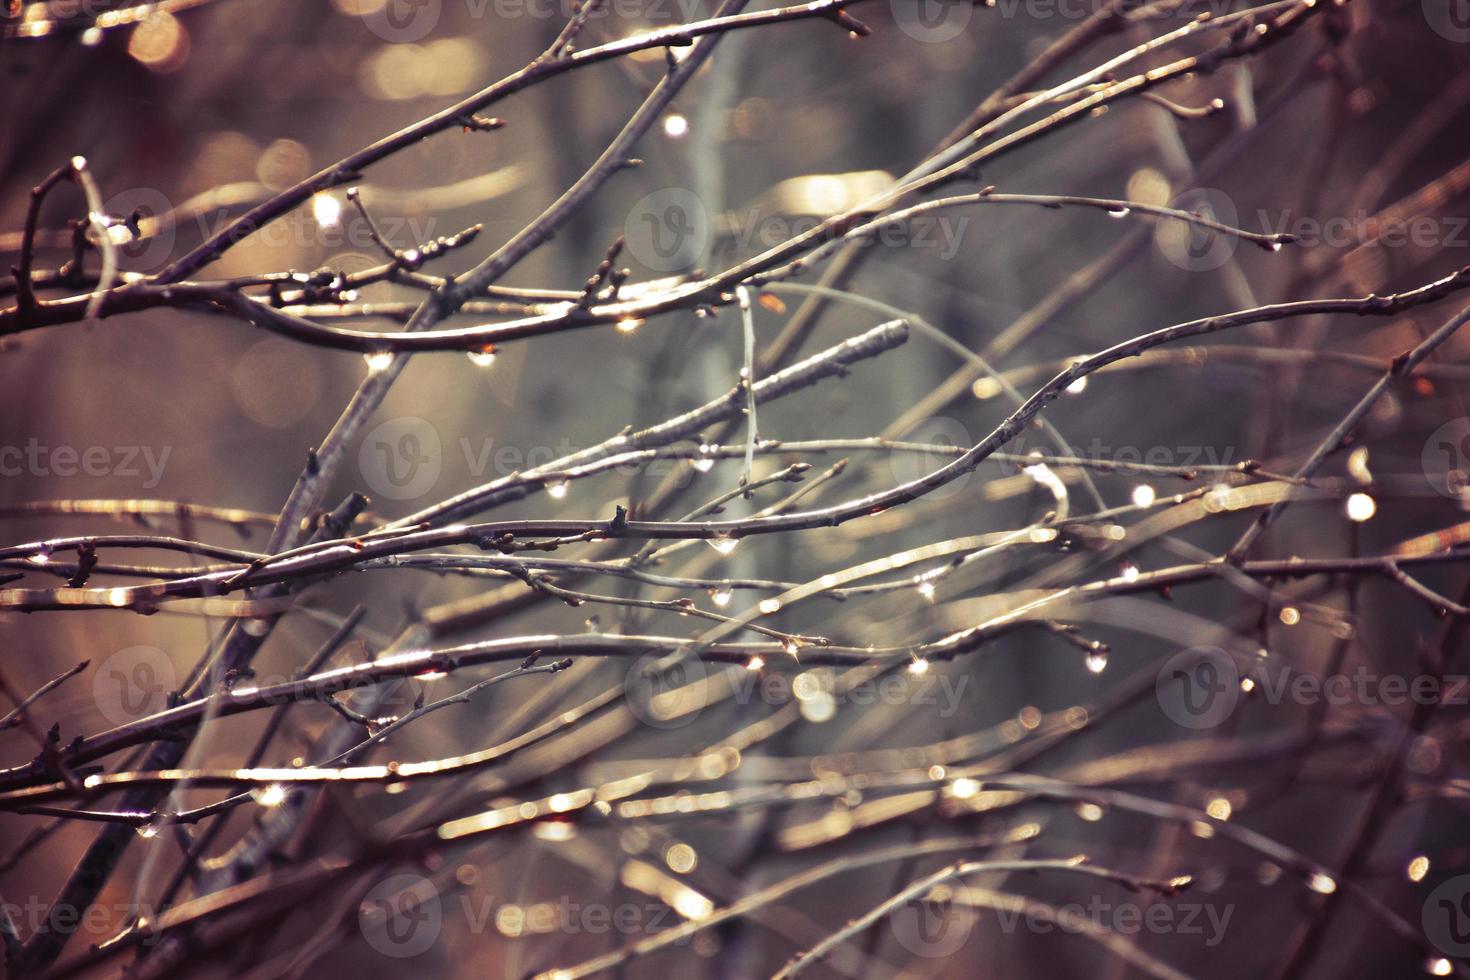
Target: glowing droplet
{"type": "Point", "coordinates": [40, 559]}
{"type": "Point", "coordinates": [755, 663]}
{"type": "Point", "coordinates": [629, 325]}
{"type": "Point", "coordinates": [1273, 246]}
{"type": "Point", "coordinates": [1247, 684]}
{"type": "Point", "coordinates": [326, 209]}
{"type": "Point", "coordinates": [1290, 615]}
{"type": "Point", "coordinates": [675, 125]}
{"type": "Point", "coordinates": [769, 606]}
{"type": "Point", "coordinates": [1143, 495]}
{"type": "Point", "coordinates": [1077, 387]}
{"type": "Point", "coordinates": [1097, 659]}
{"type": "Point", "coordinates": [819, 708]}
{"type": "Point", "coordinates": [1119, 212]}
{"type": "Point", "coordinates": [926, 589]}
{"type": "Point", "coordinates": [1438, 966]}
{"type": "Point", "coordinates": [482, 358]}
{"type": "Point", "coordinates": [272, 795]}
{"type": "Point", "coordinates": [1357, 465]}
{"type": "Point", "coordinates": [1130, 572]}
{"type": "Point", "coordinates": [1090, 812]}
{"type": "Point", "coordinates": [985, 388]}
{"type": "Point", "coordinates": [91, 37]}
{"type": "Point", "coordinates": [119, 597]}
{"type": "Point", "coordinates": [702, 464]}
{"type": "Point", "coordinates": [1322, 884]}
{"type": "Point", "coordinates": [681, 858]}
{"type": "Point", "coordinates": [721, 597]}
{"type": "Point", "coordinates": [1418, 868]}
{"type": "Point", "coordinates": [1219, 808]}
{"type": "Point", "coordinates": [1360, 507]}
{"type": "Point", "coordinates": [148, 831]}
{"type": "Point", "coordinates": [963, 788]}
{"type": "Point", "coordinates": [919, 666]}
{"type": "Point", "coordinates": [378, 360]}
{"type": "Point", "coordinates": [792, 648]}
{"type": "Point", "coordinates": [558, 490]}
{"type": "Point", "coordinates": [723, 543]}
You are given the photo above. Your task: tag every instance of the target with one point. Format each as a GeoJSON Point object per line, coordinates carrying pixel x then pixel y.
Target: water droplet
{"type": "Point", "coordinates": [919, 666]}
{"type": "Point", "coordinates": [676, 126]}
{"type": "Point", "coordinates": [272, 795]}
{"type": "Point", "coordinates": [819, 708]}
{"type": "Point", "coordinates": [926, 589]}
{"type": "Point", "coordinates": [724, 544]}
{"type": "Point", "coordinates": [1438, 966]}
{"type": "Point", "coordinates": [1077, 387]}
{"type": "Point", "coordinates": [1143, 495]}
{"type": "Point", "coordinates": [1097, 659]}
{"type": "Point", "coordinates": [148, 831]}
{"type": "Point", "coordinates": [1418, 868]}
{"type": "Point", "coordinates": [629, 325]}
{"type": "Point", "coordinates": [1090, 812]}
{"type": "Point", "coordinates": [482, 358]}
{"type": "Point", "coordinates": [1360, 507]}
{"type": "Point", "coordinates": [985, 388]}
{"type": "Point", "coordinates": [755, 663]}
{"type": "Point", "coordinates": [1290, 615]}
{"type": "Point", "coordinates": [721, 597]}
{"type": "Point", "coordinates": [1119, 212]}
{"type": "Point", "coordinates": [704, 462]}
{"type": "Point", "coordinates": [378, 360]}
{"type": "Point", "coordinates": [792, 648]}
{"type": "Point", "coordinates": [1273, 246]}
{"type": "Point", "coordinates": [1322, 884]}
{"type": "Point", "coordinates": [1130, 572]}
{"type": "Point", "coordinates": [769, 606]}
{"type": "Point", "coordinates": [558, 490]}
{"type": "Point", "coordinates": [326, 209]}
{"type": "Point", "coordinates": [1219, 808]}
{"type": "Point", "coordinates": [963, 788]}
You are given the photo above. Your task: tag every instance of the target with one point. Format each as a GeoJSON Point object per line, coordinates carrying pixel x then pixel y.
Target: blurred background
{"type": "Point", "coordinates": [1360, 116]}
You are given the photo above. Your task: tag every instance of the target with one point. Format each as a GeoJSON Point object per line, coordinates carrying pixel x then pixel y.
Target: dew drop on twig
{"type": "Point", "coordinates": [723, 543]}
